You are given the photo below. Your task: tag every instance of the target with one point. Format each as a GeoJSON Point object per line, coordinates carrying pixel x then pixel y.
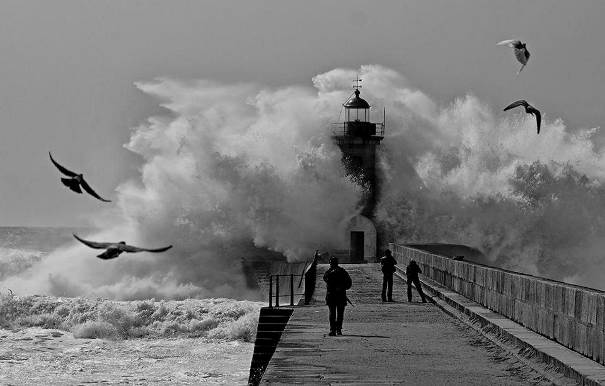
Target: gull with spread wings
{"type": "Point", "coordinates": [528, 109]}
{"type": "Point", "coordinates": [75, 181]}
{"type": "Point", "coordinates": [113, 250]}
{"type": "Point", "coordinates": [520, 50]}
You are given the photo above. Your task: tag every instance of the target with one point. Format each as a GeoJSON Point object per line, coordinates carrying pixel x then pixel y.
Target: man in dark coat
{"type": "Point", "coordinates": [411, 272]}
{"type": "Point", "coordinates": [338, 282]}
{"type": "Point", "coordinates": [387, 264]}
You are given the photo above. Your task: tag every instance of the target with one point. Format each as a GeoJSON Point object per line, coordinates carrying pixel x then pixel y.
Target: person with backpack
{"type": "Point", "coordinates": [338, 282]}
{"type": "Point", "coordinates": [387, 265]}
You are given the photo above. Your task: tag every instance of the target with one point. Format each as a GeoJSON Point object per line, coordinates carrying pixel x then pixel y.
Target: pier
{"type": "Point", "coordinates": [454, 339]}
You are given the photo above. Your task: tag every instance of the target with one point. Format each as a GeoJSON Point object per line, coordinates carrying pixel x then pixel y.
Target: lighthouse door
{"type": "Point", "coordinates": [356, 248]}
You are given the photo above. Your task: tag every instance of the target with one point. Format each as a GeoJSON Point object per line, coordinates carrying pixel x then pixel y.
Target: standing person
{"type": "Point", "coordinates": [411, 272]}
{"type": "Point", "coordinates": [338, 282]}
{"type": "Point", "coordinates": [387, 264]}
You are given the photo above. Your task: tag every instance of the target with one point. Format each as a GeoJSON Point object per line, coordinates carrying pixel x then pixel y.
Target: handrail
{"type": "Point", "coordinates": [277, 294]}
{"type": "Point", "coordinates": [308, 274]}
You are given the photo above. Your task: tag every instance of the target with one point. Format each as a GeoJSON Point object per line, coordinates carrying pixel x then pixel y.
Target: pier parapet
{"type": "Point", "coordinates": [570, 315]}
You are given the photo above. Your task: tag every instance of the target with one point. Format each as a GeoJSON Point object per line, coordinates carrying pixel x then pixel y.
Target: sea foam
{"type": "Point", "coordinates": [214, 319]}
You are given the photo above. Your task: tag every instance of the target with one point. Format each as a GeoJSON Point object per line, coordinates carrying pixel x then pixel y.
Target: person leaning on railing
{"type": "Point", "coordinates": [411, 273]}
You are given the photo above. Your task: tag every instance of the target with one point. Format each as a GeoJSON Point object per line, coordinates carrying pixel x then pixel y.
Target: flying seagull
{"type": "Point", "coordinates": [114, 250]}
{"type": "Point", "coordinates": [75, 181]}
{"type": "Point", "coordinates": [528, 109]}
{"type": "Point", "coordinates": [520, 50]}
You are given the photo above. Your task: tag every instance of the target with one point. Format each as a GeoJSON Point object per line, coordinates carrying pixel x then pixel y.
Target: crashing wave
{"type": "Point", "coordinates": [232, 167]}
{"type": "Point", "coordinates": [14, 261]}
{"type": "Point", "coordinates": [216, 319]}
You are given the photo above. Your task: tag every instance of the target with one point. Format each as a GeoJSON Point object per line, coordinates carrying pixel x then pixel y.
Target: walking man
{"type": "Point", "coordinates": [338, 282]}
{"type": "Point", "coordinates": [387, 264]}
{"type": "Point", "coordinates": [411, 272]}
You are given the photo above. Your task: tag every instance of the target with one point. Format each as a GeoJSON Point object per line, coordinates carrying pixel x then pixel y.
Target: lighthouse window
{"type": "Point", "coordinates": [357, 115]}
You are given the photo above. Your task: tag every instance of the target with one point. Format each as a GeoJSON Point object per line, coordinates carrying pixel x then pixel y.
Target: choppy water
{"type": "Point", "coordinates": [43, 239]}
{"type": "Point", "coordinates": [22, 247]}
{"type": "Point", "coordinates": [214, 322]}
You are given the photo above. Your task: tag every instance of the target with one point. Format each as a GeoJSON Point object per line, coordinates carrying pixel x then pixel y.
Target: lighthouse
{"type": "Point", "coordinates": [358, 139]}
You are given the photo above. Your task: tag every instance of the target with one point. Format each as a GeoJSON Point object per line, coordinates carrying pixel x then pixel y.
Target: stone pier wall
{"type": "Point", "coordinates": [273, 320]}
{"type": "Point", "coordinates": [570, 315]}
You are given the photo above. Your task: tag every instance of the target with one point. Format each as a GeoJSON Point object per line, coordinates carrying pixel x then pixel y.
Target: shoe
{"type": "Point", "coordinates": [338, 332]}
{"type": "Point", "coordinates": [332, 333]}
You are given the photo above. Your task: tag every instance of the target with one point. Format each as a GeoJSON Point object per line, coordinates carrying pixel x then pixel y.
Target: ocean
{"type": "Point", "coordinates": [208, 340]}
{"type": "Point", "coordinates": [22, 247]}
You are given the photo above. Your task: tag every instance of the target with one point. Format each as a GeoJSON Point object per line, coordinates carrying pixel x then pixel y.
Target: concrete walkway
{"type": "Point", "coordinates": [563, 365]}
{"type": "Point", "coordinates": [388, 343]}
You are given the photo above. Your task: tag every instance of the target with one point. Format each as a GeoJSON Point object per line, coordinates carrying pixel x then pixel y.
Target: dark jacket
{"type": "Point", "coordinates": [412, 270]}
{"type": "Point", "coordinates": [388, 264]}
{"type": "Point", "coordinates": [338, 282]}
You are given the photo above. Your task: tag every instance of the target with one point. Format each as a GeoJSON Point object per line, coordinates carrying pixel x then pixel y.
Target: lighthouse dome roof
{"type": "Point", "coordinates": [355, 102]}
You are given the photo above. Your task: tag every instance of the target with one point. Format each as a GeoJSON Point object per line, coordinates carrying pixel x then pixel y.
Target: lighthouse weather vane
{"type": "Point", "coordinates": [357, 86]}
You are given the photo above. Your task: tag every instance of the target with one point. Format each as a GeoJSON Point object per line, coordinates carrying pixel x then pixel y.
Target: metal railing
{"type": "Point", "coordinates": [308, 275]}
{"type": "Point", "coordinates": [275, 279]}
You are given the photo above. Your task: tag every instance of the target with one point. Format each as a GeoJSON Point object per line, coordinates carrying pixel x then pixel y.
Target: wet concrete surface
{"type": "Point", "coordinates": [389, 343]}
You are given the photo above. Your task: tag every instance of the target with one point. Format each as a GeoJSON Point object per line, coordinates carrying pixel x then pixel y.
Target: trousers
{"type": "Point", "coordinates": [337, 312]}
{"type": "Point", "coordinates": [387, 286]}
{"type": "Point", "coordinates": [416, 282]}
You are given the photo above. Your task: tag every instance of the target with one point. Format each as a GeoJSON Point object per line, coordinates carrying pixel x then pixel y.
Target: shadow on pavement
{"type": "Point", "coordinates": [366, 336]}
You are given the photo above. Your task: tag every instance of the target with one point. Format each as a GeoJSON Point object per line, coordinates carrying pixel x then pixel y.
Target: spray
{"type": "Point", "coordinates": [234, 169]}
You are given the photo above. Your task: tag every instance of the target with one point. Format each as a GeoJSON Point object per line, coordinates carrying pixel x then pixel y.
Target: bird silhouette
{"type": "Point", "coordinates": [528, 109]}
{"type": "Point", "coordinates": [75, 181]}
{"type": "Point", "coordinates": [520, 50]}
{"type": "Point", "coordinates": [113, 250]}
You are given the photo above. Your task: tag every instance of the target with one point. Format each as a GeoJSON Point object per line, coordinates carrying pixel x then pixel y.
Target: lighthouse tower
{"type": "Point", "coordinates": [358, 139]}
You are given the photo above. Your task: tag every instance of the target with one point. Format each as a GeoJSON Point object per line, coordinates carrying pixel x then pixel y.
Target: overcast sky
{"type": "Point", "coordinates": [67, 70]}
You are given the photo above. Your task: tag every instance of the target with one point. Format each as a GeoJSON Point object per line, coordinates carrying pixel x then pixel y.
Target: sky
{"type": "Point", "coordinates": [68, 71]}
